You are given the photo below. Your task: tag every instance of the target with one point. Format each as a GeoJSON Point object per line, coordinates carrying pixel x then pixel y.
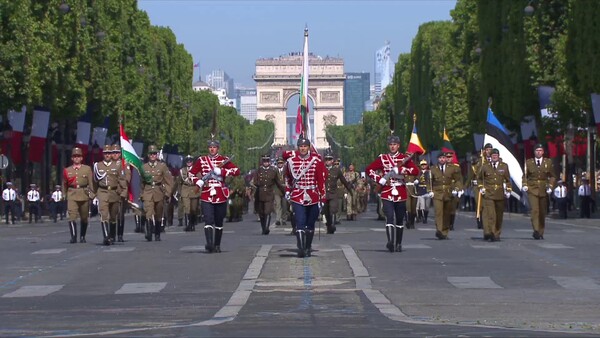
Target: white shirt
{"type": "Point", "coordinates": [33, 196]}
{"type": "Point", "coordinates": [57, 196]}
{"type": "Point", "coordinates": [9, 195]}
{"type": "Point", "coordinates": [585, 190]}
{"type": "Point", "coordinates": [560, 192]}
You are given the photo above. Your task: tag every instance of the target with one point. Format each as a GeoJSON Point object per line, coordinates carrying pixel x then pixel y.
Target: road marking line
{"type": "Point", "coordinates": [48, 251]}
{"type": "Point", "coordinates": [135, 288]}
{"type": "Point", "coordinates": [576, 283]}
{"type": "Point", "coordinates": [553, 246]}
{"type": "Point", "coordinates": [119, 249]}
{"type": "Point", "coordinates": [33, 291]}
{"type": "Point", "coordinates": [473, 283]}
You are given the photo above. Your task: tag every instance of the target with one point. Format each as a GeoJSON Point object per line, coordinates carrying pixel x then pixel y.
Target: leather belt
{"type": "Point", "coordinates": [304, 187]}
{"type": "Point", "coordinates": [109, 188]}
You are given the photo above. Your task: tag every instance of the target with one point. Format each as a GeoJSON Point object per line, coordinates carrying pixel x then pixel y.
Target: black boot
{"type": "Point", "coordinates": [149, 229]}
{"type": "Point", "coordinates": [180, 222]}
{"type": "Point", "coordinates": [120, 231]}
{"type": "Point", "coordinates": [218, 235]}
{"type": "Point", "coordinates": [84, 226]}
{"type": "Point", "coordinates": [268, 225]}
{"type": "Point", "coordinates": [309, 238]}
{"type": "Point", "coordinates": [113, 231]}
{"type": "Point", "coordinates": [301, 243]}
{"type": "Point", "coordinates": [105, 233]}
{"type": "Point", "coordinates": [72, 230]}
{"type": "Point", "coordinates": [391, 236]}
{"type": "Point", "coordinates": [209, 231]}
{"type": "Point", "coordinates": [425, 214]}
{"type": "Point", "coordinates": [411, 221]}
{"type": "Point", "coordinates": [138, 223]}
{"type": "Point", "coordinates": [193, 220]}
{"type": "Point", "coordinates": [334, 221]}
{"type": "Point", "coordinates": [158, 228]}
{"type": "Point", "coordinates": [399, 233]}
{"type": "Point", "coordinates": [419, 216]}
{"type": "Point", "coordinates": [452, 217]}
{"type": "Point", "coordinates": [479, 223]}
{"type": "Point", "coordinates": [263, 224]}
{"type": "Point", "coordinates": [187, 223]}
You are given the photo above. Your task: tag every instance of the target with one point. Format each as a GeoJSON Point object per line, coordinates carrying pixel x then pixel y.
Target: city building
{"type": "Point", "coordinates": [218, 79]}
{"type": "Point", "coordinates": [384, 69]}
{"type": "Point", "coordinates": [223, 99]}
{"type": "Point", "coordinates": [200, 85]}
{"type": "Point", "coordinates": [246, 103]}
{"type": "Point", "coordinates": [356, 95]}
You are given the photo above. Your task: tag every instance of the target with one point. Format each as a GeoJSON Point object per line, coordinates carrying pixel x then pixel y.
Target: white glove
{"type": "Point", "coordinates": [460, 193]}
{"type": "Point", "coordinates": [430, 194]}
{"type": "Point", "coordinates": [525, 188]}
{"type": "Point", "coordinates": [395, 169]}
{"type": "Point", "coordinates": [416, 182]}
{"type": "Point", "coordinates": [507, 194]}
{"type": "Point", "coordinates": [482, 191]}
{"type": "Point", "coordinates": [382, 181]}
{"type": "Point", "coordinates": [287, 195]}
{"type": "Point", "coordinates": [454, 193]}
{"type": "Point", "coordinates": [320, 205]}
{"type": "Point", "coordinates": [548, 191]}
{"type": "Point", "coordinates": [217, 171]}
{"type": "Point", "coordinates": [200, 183]}
{"type": "Point", "coordinates": [346, 195]}
{"type": "Point", "coordinates": [474, 182]}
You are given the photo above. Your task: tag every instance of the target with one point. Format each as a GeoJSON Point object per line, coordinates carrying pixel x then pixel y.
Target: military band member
{"type": "Point", "coordinates": [538, 182]}
{"type": "Point", "coordinates": [209, 173]}
{"type": "Point", "coordinates": [155, 193]}
{"type": "Point", "coordinates": [331, 207]}
{"type": "Point", "coordinates": [446, 183]}
{"type": "Point", "coordinates": [9, 195]}
{"type": "Point", "coordinates": [305, 189]}
{"type": "Point", "coordinates": [189, 195]}
{"type": "Point", "coordinates": [281, 204]}
{"type": "Point", "coordinates": [108, 186]}
{"type": "Point", "coordinates": [389, 170]}
{"type": "Point", "coordinates": [56, 203]}
{"type": "Point", "coordinates": [494, 183]}
{"type": "Point", "coordinates": [33, 199]}
{"type": "Point", "coordinates": [352, 178]}
{"type": "Point", "coordinates": [78, 185]}
{"type": "Point", "coordinates": [124, 195]}
{"type": "Point", "coordinates": [266, 180]}
{"type": "Point", "coordinates": [449, 161]}
{"type": "Point", "coordinates": [423, 199]}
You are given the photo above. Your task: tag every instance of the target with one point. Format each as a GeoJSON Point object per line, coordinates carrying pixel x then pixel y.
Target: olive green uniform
{"type": "Point", "coordinates": [351, 198]}
{"type": "Point", "coordinates": [189, 198]}
{"type": "Point", "coordinates": [494, 178]}
{"type": "Point", "coordinates": [442, 185]}
{"type": "Point", "coordinates": [154, 195]}
{"type": "Point", "coordinates": [109, 183]}
{"type": "Point", "coordinates": [78, 189]}
{"type": "Point", "coordinates": [332, 206]}
{"type": "Point", "coordinates": [266, 179]}
{"type": "Point", "coordinates": [411, 201]}
{"type": "Point", "coordinates": [538, 180]}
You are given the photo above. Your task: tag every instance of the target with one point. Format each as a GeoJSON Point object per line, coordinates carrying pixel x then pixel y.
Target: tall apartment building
{"type": "Point", "coordinates": [218, 79]}
{"type": "Point", "coordinates": [356, 94]}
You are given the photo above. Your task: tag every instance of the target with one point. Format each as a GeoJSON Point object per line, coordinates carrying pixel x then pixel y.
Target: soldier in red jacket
{"type": "Point", "coordinates": [388, 170]}
{"type": "Point", "coordinates": [305, 189]}
{"type": "Point", "coordinates": [209, 173]}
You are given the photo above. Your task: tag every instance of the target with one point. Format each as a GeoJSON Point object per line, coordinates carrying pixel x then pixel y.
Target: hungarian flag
{"type": "Point", "coordinates": [447, 147]}
{"type": "Point", "coordinates": [302, 118]}
{"type": "Point", "coordinates": [130, 156]}
{"type": "Point", "coordinates": [414, 145]}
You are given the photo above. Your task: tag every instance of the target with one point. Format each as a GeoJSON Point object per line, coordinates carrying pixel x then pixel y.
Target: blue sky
{"type": "Point", "coordinates": [231, 35]}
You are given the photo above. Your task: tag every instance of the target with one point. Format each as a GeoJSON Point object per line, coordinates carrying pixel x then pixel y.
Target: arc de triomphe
{"type": "Point", "coordinates": [278, 79]}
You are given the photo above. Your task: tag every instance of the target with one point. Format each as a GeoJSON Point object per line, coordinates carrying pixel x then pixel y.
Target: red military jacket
{"type": "Point", "coordinates": [395, 188]}
{"type": "Point", "coordinates": [305, 178]}
{"type": "Point", "coordinates": [214, 189]}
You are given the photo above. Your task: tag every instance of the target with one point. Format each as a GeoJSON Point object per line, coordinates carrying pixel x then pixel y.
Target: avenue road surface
{"type": "Point", "coordinates": [257, 287]}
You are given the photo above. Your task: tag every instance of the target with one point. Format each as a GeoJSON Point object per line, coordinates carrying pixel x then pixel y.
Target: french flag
{"type": "Point", "coordinates": [12, 146]}
{"type": "Point", "coordinates": [39, 132]}
{"type": "Point", "coordinates": [84, 133]}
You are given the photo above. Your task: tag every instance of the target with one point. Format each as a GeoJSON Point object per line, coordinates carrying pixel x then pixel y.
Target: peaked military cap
{"type": "Point", "coordinates": [76, 152]}
{"type": "Point", "coordinates": [107, 149]}
{"type": "Point", "coordinates": [488, 145]}
{"type": "Point", "coordinates": [302, 141]}
{"type": "Point", "coordinates": [449, 154]}
{"type": "Point", "coordinates": [189, 158]}
{"type": "Point", "coordinates": [393, 139]}
{"type": "Point", "coordinates": [495, 151]}
{"type": "Point", "coordinates": [266, 158]}
{"type": "Point", "coordinates": [116, 148]}
{"type": "Point", "coordinates": [32, 185]}
{"type": "Point", "coordinates": [57, 186]}
{"type": "Point", "coordinates": [8, 183]}
{"type": "Point", "coordinates": [423, 162]}
{"type": "Point", "coordinates": [280, 160]}
{"type": "Point", "coordinates": [538, 146]}
{"type": "Point", "coordinates": [152, 149]}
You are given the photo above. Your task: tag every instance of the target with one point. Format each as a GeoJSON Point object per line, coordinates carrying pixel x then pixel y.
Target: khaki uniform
{"type": "Point", "coordinates": [442, 185]}
{"type": "Point", "coordinates": [411, 201]}
{"type": "Point", "coordinates": [109, 183]}
{"type": "Point", "coordinates": [538, 180]}
{"type": "Point", "coordinates": [78, 188]}
{"type": "Point", "coordinates": [352, 178]}
{"type": "Point", "coordinates": [331, 207]}
{"type": "Point", "coordinates": [280, 203]}
{"type": "Point", "coordinates": [362, 191]}
{"type": "Point", "coordinates": [266, 179]}
{"type": "Point", "coordinates": [496, 182]}
{"type": "Point", "coordinates": [341, 197]}
{"type": "Point", "coordinates": [155, 193]}
{"type": "Point", "coordinates": [476, 169]}
{"type": "Point", "coordinates": [189, 198]}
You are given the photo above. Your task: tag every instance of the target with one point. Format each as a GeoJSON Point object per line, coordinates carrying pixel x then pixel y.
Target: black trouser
{"type": "Point", "coordinates": [34, 211]}
{"type": "Point", "coordinates": [9, 206]}
{"type": "Point", "coordinates": [585, 204]}
{"type": "Point", "coordinates": [391, 209]}
{"type": "Point", "coordinates": [56, 210]}
{"type": "Point", "coordinates": [561, 204]}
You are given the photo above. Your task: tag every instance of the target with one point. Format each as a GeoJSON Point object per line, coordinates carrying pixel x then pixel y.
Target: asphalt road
{"type": "Point", "coordinates": [257, 287]}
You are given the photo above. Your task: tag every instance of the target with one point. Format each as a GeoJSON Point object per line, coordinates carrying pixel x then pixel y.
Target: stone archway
{"type": "Point", "coordinates": [278, 79]}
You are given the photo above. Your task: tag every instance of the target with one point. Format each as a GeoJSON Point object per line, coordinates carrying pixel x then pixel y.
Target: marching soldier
{"type": "Point", "coordinates": [109, 183]}
{"type": "Point", "coordinates": [209, 173]}
{"type": "Point", "coordinates": [342, 194]}
{"type": "Point", "coordinates": [237, 193]}
{"type": "Point", "coordinates": [78, 184]}
{"type": "Point", "coordinates": [56, 203]}
{"type": "Point", "coordinates": [446, 182]}
{"type": "Point", "coordinates": [471, 184]}
{"type": "Point", "coordinates": [494, 183]}
{"type": "Point", "coordinates": [388, 170]}
{"type": "Point", "coordinates": [281, 204]}
{"type": "Point", "coordinates": [265, 179]}
{"type": "Point", "coordinates": [124, 195]}
{"type": "Point", "coordinates": [486, 157]}
{"type": "Point", "coordinates": [33, 199]}
{"type": "Point", "coordinates": [351, 177]}
{"type": "Point", "coordinates": [423, 199]}
{"type": "Point", "coordinates": [189, 195]}
{"type": "Point", "coordinates": [334, 175]}
{"type": "Point", "coordinates": [362, 191]}
{"type": "Point", "coordinates": [456, 199]}
{"type": "Point", "coordinates": [155, 193]}
{"type": "Point", "coordinates": [305, 189]}
{"type": "Point", "coordinates": [411, 200]}
{"type": "Point", "coordinates": [538, 182]}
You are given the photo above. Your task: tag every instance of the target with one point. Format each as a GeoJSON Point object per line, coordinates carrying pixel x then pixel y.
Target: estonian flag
{"type": "Point", "coordinates": [499, 137]}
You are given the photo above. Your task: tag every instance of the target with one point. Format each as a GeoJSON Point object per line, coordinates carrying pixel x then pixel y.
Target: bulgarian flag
{"type": "Point", "coordinates": [302, 119]}
{"type": "Point", "coordinates": [130, 156]}
{"type": "Point", "coordinates": [447, 147]}
{"type": "Point", "coordinates": [414, 145]}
